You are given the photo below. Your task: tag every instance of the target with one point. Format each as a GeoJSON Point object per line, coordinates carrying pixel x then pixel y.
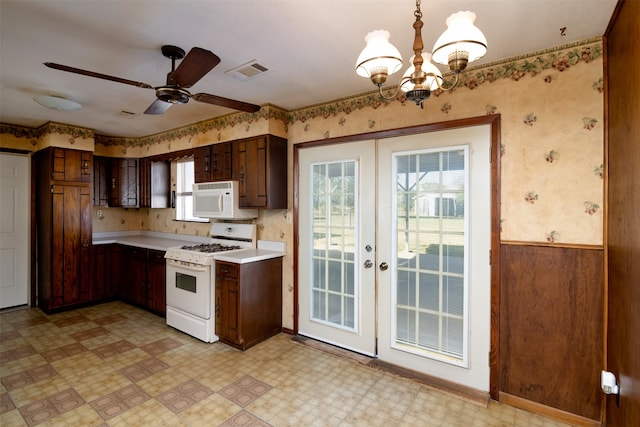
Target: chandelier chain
{"type": "Point", "coordinates": [418, 12]}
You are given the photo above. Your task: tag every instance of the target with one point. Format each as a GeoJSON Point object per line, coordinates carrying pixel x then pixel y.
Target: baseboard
{"type": "Point", "coordinates": [547, 411]}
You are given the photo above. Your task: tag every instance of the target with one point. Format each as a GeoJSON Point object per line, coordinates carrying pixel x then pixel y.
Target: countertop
{"type": "Point", "coordinates": [266, 250]}
{"type": "Point", "coordinates": [162, 241]}
{"type": "Point", "coordinates": [147, 239]}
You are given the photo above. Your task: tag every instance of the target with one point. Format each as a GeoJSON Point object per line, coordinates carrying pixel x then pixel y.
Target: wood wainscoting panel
{"type": "Point", "coordinates": [551, 326]}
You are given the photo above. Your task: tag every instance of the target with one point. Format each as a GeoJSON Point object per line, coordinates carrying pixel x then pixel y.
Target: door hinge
{"type": "Point", "coordinates": [490, 257]}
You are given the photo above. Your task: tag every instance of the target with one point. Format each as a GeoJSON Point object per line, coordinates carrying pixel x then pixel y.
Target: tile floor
{"type": "Point", "coordinates": [116, 365]}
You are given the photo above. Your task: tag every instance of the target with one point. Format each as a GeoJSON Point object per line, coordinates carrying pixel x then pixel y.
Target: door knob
{"type": "Point", "coordinates": [368, 264]}
{"type": "Point", "coordinates": [383, 266]}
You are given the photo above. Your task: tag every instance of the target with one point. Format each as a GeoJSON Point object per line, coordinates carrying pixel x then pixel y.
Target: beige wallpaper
{"type": "Point", "coordinates": [551, 107]}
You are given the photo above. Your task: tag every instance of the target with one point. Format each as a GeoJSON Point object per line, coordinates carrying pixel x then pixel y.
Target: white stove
{"type": "Point", "coordinates": [190, 278]}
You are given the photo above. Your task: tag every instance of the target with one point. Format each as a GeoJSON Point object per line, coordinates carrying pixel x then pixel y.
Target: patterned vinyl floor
{"type": "Point", "coordinates": [116, 365]}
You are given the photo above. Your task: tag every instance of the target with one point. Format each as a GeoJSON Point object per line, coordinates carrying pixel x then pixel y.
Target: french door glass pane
{"type": "Point", "coordinates": [430, 241]}
{"type": "Point", "coordinates": [334, 225]}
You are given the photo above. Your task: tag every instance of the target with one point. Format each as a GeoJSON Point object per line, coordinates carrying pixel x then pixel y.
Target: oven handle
{"type": "Point", "coordinates": [184, 265]}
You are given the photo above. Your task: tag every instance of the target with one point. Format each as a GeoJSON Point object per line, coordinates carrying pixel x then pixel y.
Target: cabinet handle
{"type": "Point", "coordinates": [113, 183]}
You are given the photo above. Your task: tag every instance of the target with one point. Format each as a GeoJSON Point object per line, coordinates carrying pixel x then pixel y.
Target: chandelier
{"type": "Point", "coordinates": [462, 43]}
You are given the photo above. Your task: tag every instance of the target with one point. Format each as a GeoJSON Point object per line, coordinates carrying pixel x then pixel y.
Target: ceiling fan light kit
{"type": "Point", "coordinates": [461, 44]}
{"type": "Point", "coordinates": [195, 65]}
{"type": "Point", "coordinates": [57, 103]}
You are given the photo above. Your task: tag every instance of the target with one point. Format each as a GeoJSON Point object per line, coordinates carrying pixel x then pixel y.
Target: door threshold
{"type": "Point", "coordinates": [332, 349]}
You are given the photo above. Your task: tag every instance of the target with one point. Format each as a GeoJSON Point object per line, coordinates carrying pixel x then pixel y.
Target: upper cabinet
{"type": "Point", "coordinates": [221, 155]}
{"type": "Point", "coordinates": [70, 165]}
{"type": "Point", "coordinates": [155, 181]}
{"type": "Point", "coordinates": [202, 164]}
{"type": "Point", "coordinates": [100, 177]}
{"type": "Point", "coordinates": [213, 162]}
{"type": "Point", "coordinates": [123, 183]}
{"type": "Point", "coordinates": [131, 183]}
{"type": "Point", "coordinates": [260, 166]}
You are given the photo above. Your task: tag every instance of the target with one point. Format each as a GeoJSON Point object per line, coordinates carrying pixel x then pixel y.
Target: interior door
{"type": "Point", "coordinates": [434, 241]}
{"type": "Point", "coordinates": [14, 230]}
{"type": "Point", "coordinates": [336, 273]}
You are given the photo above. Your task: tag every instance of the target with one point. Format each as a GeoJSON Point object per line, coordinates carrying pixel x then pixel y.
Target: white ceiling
{"type": "Point", "coordinates": [310, 46]}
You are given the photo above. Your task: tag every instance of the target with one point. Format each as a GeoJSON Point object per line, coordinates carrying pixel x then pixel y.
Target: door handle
{"type": "Point", "coordinates": [383, 266]}
{"type": "Point", "coordinates": [368, 264]}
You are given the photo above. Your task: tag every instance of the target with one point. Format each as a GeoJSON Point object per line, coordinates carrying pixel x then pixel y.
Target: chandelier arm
{"type": "Point", "coordinates": [437, 79]}
{"type": "Point", "coordinates": [388, 98]}
{"type": "Point", "coordinates": [397, 91]}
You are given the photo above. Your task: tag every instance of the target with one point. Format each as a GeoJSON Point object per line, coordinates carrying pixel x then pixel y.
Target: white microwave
{"type": "Point", "coordinates": [219, 200]}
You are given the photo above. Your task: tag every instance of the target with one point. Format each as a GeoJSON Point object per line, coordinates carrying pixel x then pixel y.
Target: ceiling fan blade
{"type": "Point", "coordinates": [98, 75]}
{"type": "Point", "coordinates": [194, 66]}
{"type": "Point", "coordinates": [158, 107]}
{"type": "Point", "coordinates": [226, 102]}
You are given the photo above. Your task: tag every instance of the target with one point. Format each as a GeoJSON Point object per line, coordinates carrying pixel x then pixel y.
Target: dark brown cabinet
{"type": "Point", "coordinates": [100, 177]}
{"type": "Point", "coordinates": [221, 155]}
{"type": "Point", "coordinates": [143, 284]}
{"type": "Point", "coordinates": [248, 301]}
{"type": "Point", "coordinates": [213, 162]}
{"type": "Point", "coordinates": [123, 183]}
{"type": "Point", "coordinates": [104, 257]}
{"type": "Point", "coordinates": [155, 183]}
{"type": "Point", "coordinates": [63, 227]}
{"type": "Point", "coordinates": [71, 165]}
{"type": "Point", "coordinates": [260, 167]}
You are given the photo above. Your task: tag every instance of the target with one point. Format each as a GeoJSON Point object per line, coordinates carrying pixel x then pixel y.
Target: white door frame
{"type": "Point", "coordinates": [495, 153]}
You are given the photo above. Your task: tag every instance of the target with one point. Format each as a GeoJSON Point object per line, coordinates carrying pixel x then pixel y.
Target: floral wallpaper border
{"type": "Point", "coordinates": [35, 134]}
{"type": "Point", "coordinates": [559, 58]}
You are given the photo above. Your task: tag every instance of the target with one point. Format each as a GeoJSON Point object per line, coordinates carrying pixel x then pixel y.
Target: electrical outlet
{"type": "Point", "coordinates": [99, 213]}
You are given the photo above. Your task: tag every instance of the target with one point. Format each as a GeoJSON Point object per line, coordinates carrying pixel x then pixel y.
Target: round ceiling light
{"type": "Point", "coordinates": [57, 103]}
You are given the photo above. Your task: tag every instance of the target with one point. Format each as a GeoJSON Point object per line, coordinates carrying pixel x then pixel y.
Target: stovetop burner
{"type": "Point", "coordinates": [210, 247]}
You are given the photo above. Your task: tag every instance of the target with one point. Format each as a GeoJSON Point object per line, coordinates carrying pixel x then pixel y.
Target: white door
{"type": "Point", "coordinates": [14, 230]}
{"type": "Point", "coordinates": [434, 233]}
{"type": "Point", "coordinates": [336, 262]}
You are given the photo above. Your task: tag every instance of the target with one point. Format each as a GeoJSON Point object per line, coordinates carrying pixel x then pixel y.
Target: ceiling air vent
{"type": "Point", "coordinates": [248, 71]}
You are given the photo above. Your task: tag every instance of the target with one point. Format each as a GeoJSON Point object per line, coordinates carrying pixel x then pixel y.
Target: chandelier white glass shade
{"type": "Point", "coordinates": [379, 58]}
{"type": "Point", "coordinates": [461, 44]}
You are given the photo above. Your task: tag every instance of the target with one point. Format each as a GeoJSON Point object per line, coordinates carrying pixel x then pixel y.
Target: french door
{"type": "Point", "coordinates": [337, 240]}
{"type": "Point", "coordinates": [394, 239]}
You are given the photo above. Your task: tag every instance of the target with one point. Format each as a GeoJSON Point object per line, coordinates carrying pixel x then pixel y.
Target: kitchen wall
{"type": "Point", "coordinates": [551, 108]}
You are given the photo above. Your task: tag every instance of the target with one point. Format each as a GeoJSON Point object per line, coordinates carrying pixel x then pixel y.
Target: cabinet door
{"type": "Point", "coordinates": [227, 299]}
{"type": "Point", "coordinates": [134, 281]}
{"type": "Point", "coordinates": [100, 173]}
{"type": "Point", "coordinates": [221, 161]}
{"type": "Point", "coordinates": [71, 245]}
{"type": "Point", "coordinates": [202, 164]}
{"type": "Point", "coordinates": [156, 288]}
{"type": "Point", "coordinates": [71, 165]}
{"type": "Point", "coordinates": [260, 166]}
{"type": "Point", "coordinates": [144, 183]}
{"type": "Point", "coordinates": [251, 173]}
{"type": "Point", "coordinates": [123, 191]}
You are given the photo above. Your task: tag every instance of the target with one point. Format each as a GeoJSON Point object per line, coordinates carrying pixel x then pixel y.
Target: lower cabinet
{"type": "Point", "coordinates": [142, 278]}
{"type": "Point", "coordinates": [103, 272]}
{"type": "Point", "coordinates": [248, 301]}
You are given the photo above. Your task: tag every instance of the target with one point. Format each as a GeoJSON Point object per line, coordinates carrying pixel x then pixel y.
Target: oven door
{"type": "Point", "coordinates": [189, 287]}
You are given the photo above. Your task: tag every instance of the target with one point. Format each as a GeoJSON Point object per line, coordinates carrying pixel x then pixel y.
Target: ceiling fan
{"type": "Point", "coordinates": [193, 67]}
